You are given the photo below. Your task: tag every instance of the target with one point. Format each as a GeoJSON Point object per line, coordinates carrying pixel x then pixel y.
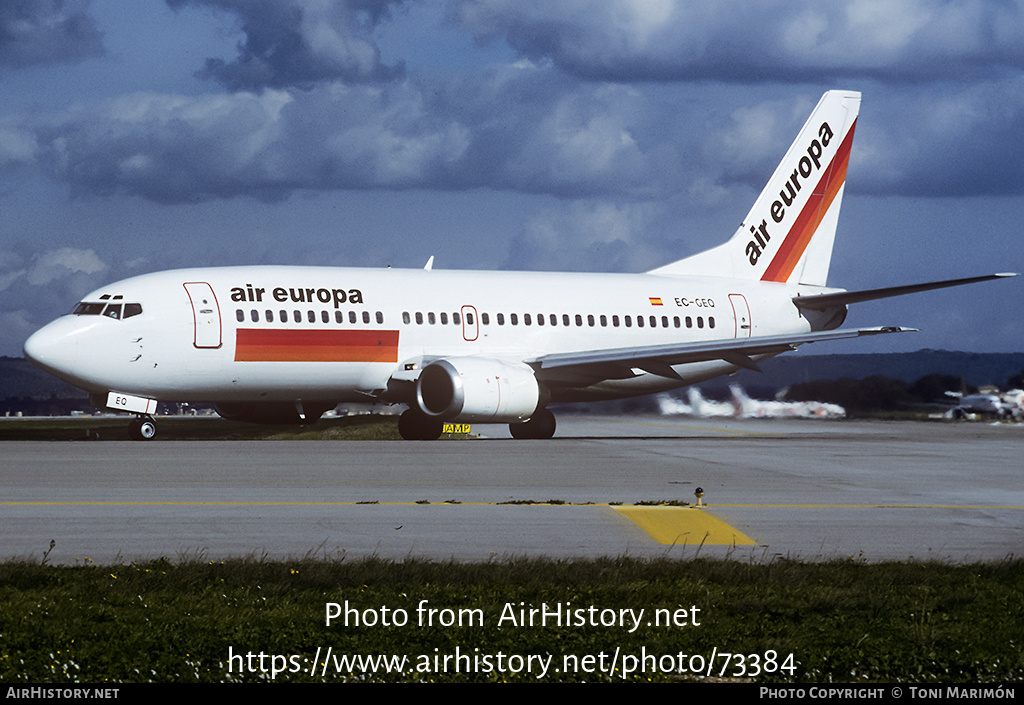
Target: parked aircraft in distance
{"type": "Point", "coordinates": [274, 344]}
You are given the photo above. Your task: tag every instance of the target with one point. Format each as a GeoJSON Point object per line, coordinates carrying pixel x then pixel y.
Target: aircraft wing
{"type": "Point", "coordinates": [617, 363]}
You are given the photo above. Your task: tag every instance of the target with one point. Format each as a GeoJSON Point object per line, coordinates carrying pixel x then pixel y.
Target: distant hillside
{"type": "Point", "coordinates": [976, 369]}
{"type": "Point", "coordinates": [20, 378]}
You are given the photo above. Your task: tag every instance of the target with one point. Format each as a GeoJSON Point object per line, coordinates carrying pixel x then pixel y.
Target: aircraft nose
{"type": "Point", "coordinates": [51, 348]}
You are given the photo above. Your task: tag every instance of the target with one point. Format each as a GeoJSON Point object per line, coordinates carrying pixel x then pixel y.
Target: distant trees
{"type": "Point", "coordinates": [879, 393]}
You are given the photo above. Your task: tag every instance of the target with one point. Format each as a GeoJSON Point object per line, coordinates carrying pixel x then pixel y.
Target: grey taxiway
{"type": "Point", "coordinates": [806, 489]}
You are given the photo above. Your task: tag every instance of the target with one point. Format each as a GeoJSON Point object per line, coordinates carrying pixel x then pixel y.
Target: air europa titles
{"type": "Point", "coordinates": [807, 165]}
{"type": "Point", "coordinates": [298, 295]}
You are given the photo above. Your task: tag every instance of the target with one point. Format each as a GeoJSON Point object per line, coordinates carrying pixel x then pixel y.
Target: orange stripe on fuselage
{"type": "Point", "coordinates": [258, 345]}
{"type": "Point", "coordinates": [793, 247]}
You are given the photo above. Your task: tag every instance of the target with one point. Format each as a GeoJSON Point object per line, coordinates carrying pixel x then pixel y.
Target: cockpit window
{"type": "Point", "coordinates": [112, 310]}
{"type": "Point", "coordinates": [84, 309]}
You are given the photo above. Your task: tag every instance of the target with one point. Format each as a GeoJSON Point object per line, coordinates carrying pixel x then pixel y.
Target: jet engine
{"type": "Point", "coordinates": [478, 389]}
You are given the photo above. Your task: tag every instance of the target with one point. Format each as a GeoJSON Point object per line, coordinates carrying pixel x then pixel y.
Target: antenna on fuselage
{"type": "Point", "coordinates": [430, 263]}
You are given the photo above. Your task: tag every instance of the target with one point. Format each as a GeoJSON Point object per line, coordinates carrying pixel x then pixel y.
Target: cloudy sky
{"type": "Point", "coordinates": [505, 134]}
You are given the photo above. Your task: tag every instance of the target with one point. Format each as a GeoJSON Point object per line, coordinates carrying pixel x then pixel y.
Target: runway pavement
{"type": "Point", "coordinates": [807, 489]}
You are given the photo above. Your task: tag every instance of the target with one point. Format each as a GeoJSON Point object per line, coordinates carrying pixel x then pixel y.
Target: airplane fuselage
{"type": "Point", "coordinates": [249, 334]}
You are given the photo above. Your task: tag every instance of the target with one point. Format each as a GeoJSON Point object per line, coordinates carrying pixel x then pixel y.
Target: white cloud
{"type": "Point", "coordinates": [58, 264]}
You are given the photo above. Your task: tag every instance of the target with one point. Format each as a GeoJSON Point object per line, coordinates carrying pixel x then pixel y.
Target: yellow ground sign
{"type": "Point", "coordinates": [684, 526]}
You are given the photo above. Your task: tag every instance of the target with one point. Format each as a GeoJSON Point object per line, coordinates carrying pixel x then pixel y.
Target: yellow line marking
{"type": "Point", "coordinates": [682, 526]}
{"type": "Point", "coordinates": [873, 506]}
{"type": "Point", "coordinates": [108, 503]}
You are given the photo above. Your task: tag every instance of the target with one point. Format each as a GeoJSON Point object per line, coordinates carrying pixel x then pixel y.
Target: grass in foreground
{"type": "Point", "coordinates": [842, 621]}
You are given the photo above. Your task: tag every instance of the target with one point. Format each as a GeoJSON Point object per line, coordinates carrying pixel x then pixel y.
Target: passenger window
{"type": "Point", "coordinates": [590, 320]}
{"type": "Point", "coordinates": [297, 316]}
{"type": "Point", "coordinates": [501, 319]}
{"type": "Point", "coordinates": [339, 317]}
{"type": "Point", "coordinates": [711, 322]}
{"type": "Point", "coordinates": [269, 316]}
{"type": "Point", "coordinates": [700, 321]}
{"type": "Point", "coordinates": [351, 316]}
{"type": "Point", "coordinates": [444, 318]}
{"type": "Point", "coordinates": [526, 319]}
{"type": "Point", "coordinates": [456, 319]}
{"type": "Point", "coordinates": [675, 321]}
{"type": "Point", "coordinates": [604, 321]}
{"type": "Point", "coordinates": [325, 317]}
{"type": "Point", "coordinates": [629, 321]}
{"type": "Point", "coordinates": [240, 315]}
{"type": "Point", "coordinates": [405, 317]}
{"type": "Point", "coordinates": [311, 315]}
{"type": "Point", "coordinates": [380, 317]}
{"type": "Point", "coordinates": [431, 319]}
{"type": "Point", "coordinates": [565, 319]}
{"type": "Point", "coordinates": [579, 320]}
{"type": "Point", "coordinates": [419, 318]}
{"type": "Point", "coordinates": [284, 316]}
{"type": "Point", "coordinates": [485, 318]}
{"type": "Point", "coordinates": [689, 322]}
{"type": "Point", "coordinates": [469, 319]}
{"type": "Point", "coordinates": [540, 319]}
{"type": "Point", "coordinates": [513, 318]}
{"type": "Point", "coordinates": [615, 321]}
{"type": "Point", "coordinates": [639, 321]}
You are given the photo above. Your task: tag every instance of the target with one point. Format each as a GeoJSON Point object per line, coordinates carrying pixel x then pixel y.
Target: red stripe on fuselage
{"type": "Point", "coordinates": [260, 345]}
{"type": "Point", "coordinates": [799, 236]}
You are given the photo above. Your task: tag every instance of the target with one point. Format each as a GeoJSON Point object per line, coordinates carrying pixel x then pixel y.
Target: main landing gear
{"type": "Point", "coordinates": [142, 428]}
{"type": "Point", "coordinates": [414, 425]}
{"type": "Point", "coordinates": [540, 426]}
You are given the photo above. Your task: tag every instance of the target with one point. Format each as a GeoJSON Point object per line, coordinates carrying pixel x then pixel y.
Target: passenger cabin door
{"type": "Point", "coordinates": [741, 314]}
{"type": "Point", "coordinates": [205, 313]}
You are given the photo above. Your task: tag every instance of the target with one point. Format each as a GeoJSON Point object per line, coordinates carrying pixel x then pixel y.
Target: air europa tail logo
{"type": "Point", "coordinates": [808, 164]}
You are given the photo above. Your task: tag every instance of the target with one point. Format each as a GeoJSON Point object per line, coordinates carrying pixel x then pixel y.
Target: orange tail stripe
{"type": "Point", "coordinates": [810, 217]}
{"type": "Point", "coordinates": [257, 345]}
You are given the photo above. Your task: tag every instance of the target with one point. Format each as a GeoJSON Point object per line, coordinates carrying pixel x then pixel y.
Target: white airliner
{"type": "Point", "coordinates": [273, 344]}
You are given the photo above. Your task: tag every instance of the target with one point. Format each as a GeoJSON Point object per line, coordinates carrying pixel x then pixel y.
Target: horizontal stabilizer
{"type": "Point", "coordinates": [842, 298]}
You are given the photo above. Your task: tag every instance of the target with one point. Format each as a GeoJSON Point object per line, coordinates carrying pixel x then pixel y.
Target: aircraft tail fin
{"type": "Point", "coordinates": [788, 234]}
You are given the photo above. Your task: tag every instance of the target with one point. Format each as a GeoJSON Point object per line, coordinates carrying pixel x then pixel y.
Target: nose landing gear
{"type": "Point", "coordinates": [142, 428]}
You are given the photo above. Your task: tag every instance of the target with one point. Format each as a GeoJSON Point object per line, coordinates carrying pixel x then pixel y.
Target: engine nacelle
{"type": "Point", "coordinates": [478, 389]}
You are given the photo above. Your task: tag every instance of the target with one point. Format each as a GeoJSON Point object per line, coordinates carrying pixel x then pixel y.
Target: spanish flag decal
{"type": "Point", "coordinates": [656, 301]}
{"type": "Point", "coordinates": [260, 345]}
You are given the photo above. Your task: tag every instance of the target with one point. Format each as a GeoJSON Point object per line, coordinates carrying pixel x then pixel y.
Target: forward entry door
{"type": "Point", "coordinates": [206, 314]}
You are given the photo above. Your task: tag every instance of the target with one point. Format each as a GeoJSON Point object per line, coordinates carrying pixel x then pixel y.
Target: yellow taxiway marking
{"type": "Point", "coordinates": [684, 526]}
